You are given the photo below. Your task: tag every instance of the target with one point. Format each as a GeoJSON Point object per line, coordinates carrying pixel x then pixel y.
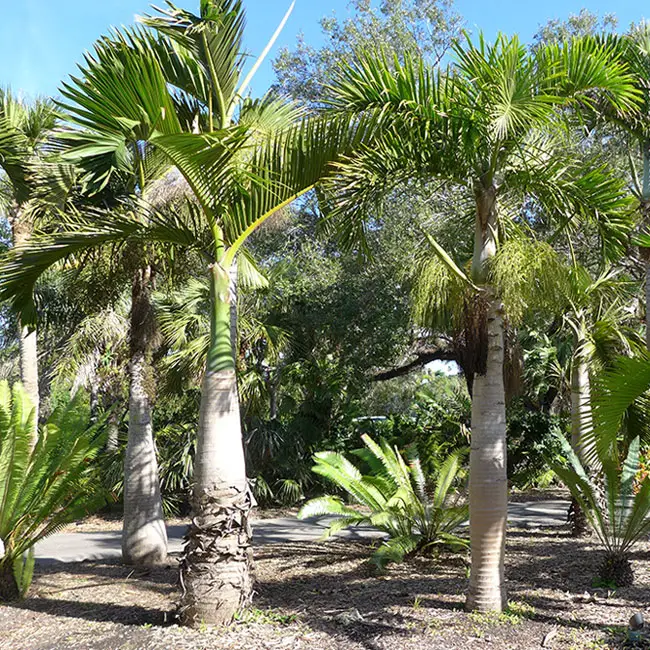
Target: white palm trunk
{"type": "Point", "coordinates": [580, 404]}
{"type": "Point", "coordinates": [580, 424]}
{"type": "Point", "coordinates": [144, 536]}
{"type": "Point", "coordinates": [215, 572]}
{"type": "Point", "coordinates": [29, 367]}
{"type": "Point", "coordinates": [488, 482]}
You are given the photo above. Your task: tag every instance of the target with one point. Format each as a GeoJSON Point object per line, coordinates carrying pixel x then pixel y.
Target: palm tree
{"type": "Point", "coordinates": [254, 158]}
{"type": "Point", "coordinates": [490, 124]}
{"type": "Point", "coordinates": [24, 132]}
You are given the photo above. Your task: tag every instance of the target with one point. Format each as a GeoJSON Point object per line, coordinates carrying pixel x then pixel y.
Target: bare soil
{"type": "Point", "coordinates": [327, 596]}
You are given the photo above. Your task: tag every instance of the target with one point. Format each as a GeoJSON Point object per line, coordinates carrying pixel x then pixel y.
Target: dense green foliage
{"type": "Point", "coordinates": [417, 514]}
{"type": "Point", "coordinates": [44, 484]}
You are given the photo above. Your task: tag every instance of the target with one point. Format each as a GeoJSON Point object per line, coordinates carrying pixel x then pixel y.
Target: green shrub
{"type": "Point", "coordinates": [619, 519]}
{"type": "Point", "coordinates": [532, 437]}
{"type": "Point", "coordinates": [44, 487]}
{"type": "Point", "coordinates": [416, 516]}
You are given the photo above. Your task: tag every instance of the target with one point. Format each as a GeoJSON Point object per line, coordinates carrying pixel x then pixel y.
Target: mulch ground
{"type": "Point", "coordinates": [326, 596]}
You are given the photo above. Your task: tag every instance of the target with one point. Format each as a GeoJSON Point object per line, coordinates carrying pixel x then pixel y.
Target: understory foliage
{"type": "Point", "coordinates": [45, 486]}
{"type": "Point", "coordinates": [624, 517]}
{"type": "Point", "coordinates": [416, 514]}
{"type": "Point", "coordinates": [608, 483]}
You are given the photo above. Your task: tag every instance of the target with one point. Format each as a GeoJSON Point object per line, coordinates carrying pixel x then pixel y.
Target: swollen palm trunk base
{"type": "Point", "coordinates": [216, 568]}
{"type": "Point", "coordinates": [488, 487]}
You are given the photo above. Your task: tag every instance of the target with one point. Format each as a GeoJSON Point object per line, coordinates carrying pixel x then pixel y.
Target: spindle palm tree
{"type": "Point", "coordinates": [180, 92]}
{"type": "Point", "coordinates": [491, 123]}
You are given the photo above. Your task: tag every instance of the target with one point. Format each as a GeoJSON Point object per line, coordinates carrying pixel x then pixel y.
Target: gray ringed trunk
{"type": "Point", "coordinates": [144, 536]}
{"type": "Point", "coordinates": [216, 577]}
{"type": "Point", "coordinates": [488, 485]}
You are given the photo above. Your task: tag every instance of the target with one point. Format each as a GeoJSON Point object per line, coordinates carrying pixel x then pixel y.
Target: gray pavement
{"type": "Point", "coordinates": [77, 547]}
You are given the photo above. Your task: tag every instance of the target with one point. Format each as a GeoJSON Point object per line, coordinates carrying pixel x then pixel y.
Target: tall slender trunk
{"type": "Point", "coordinates": [580, 423]}
{"type": "Point", "coordinates": [215, 571]}
{"type": "Point", "coordinates": [144, 537]}
{"type": "Point", "coordinates": [580, 404]}
{"type": "Point", "coordinates": [488, 485]}
{"type": "Point", "coordinates": [645, 218]}
{"type": "Point", "coordinates": [22, 230]}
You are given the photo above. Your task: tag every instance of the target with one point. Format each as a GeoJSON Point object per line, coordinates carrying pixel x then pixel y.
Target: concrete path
{"type": "Point", "coordinates": [77, 547]}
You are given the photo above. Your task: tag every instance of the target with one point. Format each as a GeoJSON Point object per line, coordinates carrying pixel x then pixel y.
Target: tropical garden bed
{"type": "Point", "coordinates": [329, 596]}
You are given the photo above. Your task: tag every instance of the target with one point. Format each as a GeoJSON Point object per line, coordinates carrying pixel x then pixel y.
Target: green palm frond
{"type": "Point", "coordinates": [43, 487]}
{"type": "Point", "coordinates": [397, 496]}
{"type": "Point", "coordinates": [22, 266]}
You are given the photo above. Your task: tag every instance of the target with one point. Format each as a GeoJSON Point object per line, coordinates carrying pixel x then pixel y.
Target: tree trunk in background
{"type": "Point", "coordinates": [215, 571]}
{"type": "Point", "coordinates": [645, 220]}
{"type": "Point", "coordinates": [113, 430]}
{"type": "Point", "coordinates": [22, 230]}
{"type": "Point", "coordinates": [233, 290]}
{"type": "Point", "coordinates": [488, 481]}
{"type": "Point", "coordinates": [580, 422]}
{"type": "Point", "coordinates": [144, 537]}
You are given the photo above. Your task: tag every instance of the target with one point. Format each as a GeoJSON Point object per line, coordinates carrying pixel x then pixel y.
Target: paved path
{"type": "Point", "coordinates": [77, 547]}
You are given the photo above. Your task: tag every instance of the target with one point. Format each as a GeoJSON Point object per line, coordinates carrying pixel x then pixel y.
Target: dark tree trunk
{"type": "Point", "coordinates": [8, 586]}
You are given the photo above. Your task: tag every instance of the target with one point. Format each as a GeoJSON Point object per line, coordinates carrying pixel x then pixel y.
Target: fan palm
{"type": "Point", "coordinates": [491, 123]}
{"type": "Point", "coordinates": [255, 158]}
{"type": "Point", "coordinates": [24, 131]}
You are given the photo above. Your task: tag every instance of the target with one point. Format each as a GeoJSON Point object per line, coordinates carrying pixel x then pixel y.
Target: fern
{"type": "Point", "coordinates": [396, 494]}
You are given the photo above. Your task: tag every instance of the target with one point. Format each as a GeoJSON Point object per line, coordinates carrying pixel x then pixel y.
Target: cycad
{"type": "Point", "coordinates": [625, 517]}
{"type": "Point", "coordinates": [44, 487]}
{"type": "Point", "coordinates": [416, 516]}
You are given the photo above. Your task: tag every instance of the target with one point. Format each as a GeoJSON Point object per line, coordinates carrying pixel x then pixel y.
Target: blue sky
{"type": "Point", "coordinates": [41, 40]}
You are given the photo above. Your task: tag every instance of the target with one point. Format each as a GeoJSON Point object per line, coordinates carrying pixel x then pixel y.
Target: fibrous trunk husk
{"type": "Point", "coordinates": [216, 577]}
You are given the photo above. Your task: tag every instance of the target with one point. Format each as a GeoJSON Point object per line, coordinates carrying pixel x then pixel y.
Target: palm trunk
{"type": "Point", "coordinates": [580, 422]}
{"type": "Point", "coordinates": [113, 430]}
{"type": "Point", "coordinates": [215, 571]}
{"type": "Point", "coordinates": [645, 220]}
{"type": "Point", "coordinates": [22, 231]}
{"type": "Point", "coordinates": [580, 404]}
{"type": "Point", "coordinates": [144, 537]}
{"type": "Point", "coordinates": [488, 485]}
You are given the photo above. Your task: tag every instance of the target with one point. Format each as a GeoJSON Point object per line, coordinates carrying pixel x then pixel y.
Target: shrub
{"type": "Point", "coordinates": [44, 487]}
{"type": "Point", "coordinates": [622, 517]}
{"type": "Point", "coordinates": [416, 516]}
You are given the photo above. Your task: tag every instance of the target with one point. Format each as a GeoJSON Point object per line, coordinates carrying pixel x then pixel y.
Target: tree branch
{"type": "Point", "coordinates": [422, 358]}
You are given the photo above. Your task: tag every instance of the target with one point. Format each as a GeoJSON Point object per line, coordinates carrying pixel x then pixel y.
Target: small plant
{"type": "Point", "coordinates": [43, 486]}
{"type": "Point", "coordinates": [266, 616]}
{"type": "Point", "coordinates": [624, 518]}
{"type": "Point", "coordinates": [416, 516]}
